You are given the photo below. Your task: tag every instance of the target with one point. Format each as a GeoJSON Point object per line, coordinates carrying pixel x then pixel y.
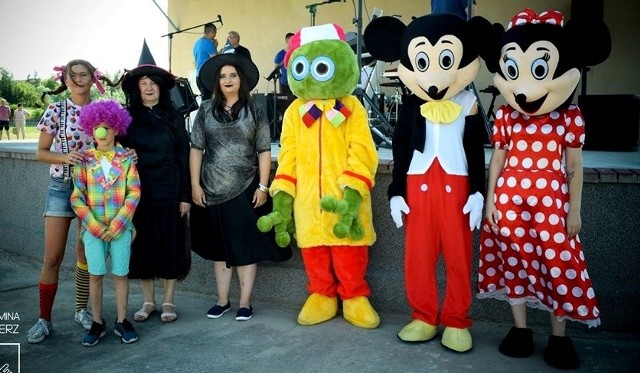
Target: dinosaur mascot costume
{"type": "Point", "coordinates": [326, 170]}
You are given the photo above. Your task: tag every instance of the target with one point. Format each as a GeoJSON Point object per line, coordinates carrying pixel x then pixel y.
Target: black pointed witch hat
{"type": "Point", "coordinates": [147, 67]}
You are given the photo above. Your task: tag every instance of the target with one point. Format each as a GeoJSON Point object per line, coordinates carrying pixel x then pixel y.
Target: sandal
{"type": "Point", "coordinates": [168, 313]}
{"type": "Point", "coordinates": [143, 314]}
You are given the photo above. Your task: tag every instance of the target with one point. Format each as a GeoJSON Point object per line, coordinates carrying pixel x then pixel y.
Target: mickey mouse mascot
{"type": "Point", "coordinates": [438, 173]}
{"type": "Point", "coordinates": [530, 253]}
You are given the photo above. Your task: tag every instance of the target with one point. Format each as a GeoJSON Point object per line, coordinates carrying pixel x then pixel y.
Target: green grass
{"type": "Point", "coordinates": [31, 133]}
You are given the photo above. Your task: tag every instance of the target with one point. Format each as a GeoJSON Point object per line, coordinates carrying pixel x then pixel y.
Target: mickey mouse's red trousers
{"type": "Point", "coordinates": [436, 225]}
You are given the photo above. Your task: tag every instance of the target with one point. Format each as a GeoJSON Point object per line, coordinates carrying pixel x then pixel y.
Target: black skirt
{"type": "Point", "coordinates": [161, 248]}
{"type": "Point", "coordinates": [227, 232]}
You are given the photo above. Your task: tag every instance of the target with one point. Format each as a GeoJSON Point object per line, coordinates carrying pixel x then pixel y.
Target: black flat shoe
{"type": "Point", "coordinates": [217, 311]}
{"type": "Point", "coordinates": [244, 313]}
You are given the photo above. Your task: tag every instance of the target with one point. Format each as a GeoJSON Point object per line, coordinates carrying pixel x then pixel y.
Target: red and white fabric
{"type": "Point", "coordinates": [530, 258]}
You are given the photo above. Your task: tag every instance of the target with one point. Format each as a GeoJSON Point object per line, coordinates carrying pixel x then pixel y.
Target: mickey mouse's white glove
{"type": "Point", "coordinates": [473, 207]}
{"type": "Point", "coordinates": [398, 206]}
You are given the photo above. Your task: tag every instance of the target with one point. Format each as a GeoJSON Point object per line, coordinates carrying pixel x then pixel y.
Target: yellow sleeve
{"type": "Point", "coordinates": [362, 157]}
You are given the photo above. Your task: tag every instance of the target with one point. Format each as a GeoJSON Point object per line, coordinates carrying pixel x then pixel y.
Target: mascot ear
{"type": "Point", "coordinates": [486, 37]}
{"type": "Point", "coordinates": [382, 38]}
{"type": "Point", "coordinates": [587, 34]}
{"type": "Point", "coordinates": [590, 40]}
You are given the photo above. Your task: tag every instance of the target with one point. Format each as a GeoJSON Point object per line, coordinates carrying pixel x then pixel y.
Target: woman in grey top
{"type": "Point", "coordinates": [230, 163]}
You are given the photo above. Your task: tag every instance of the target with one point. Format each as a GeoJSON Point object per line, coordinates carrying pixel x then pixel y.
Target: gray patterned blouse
{"type": "Point", "coordinates": [230, 151]}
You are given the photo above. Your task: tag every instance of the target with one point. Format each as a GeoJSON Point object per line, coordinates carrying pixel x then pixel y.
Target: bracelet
{"type": "Point", "coordinates": [263, 188]}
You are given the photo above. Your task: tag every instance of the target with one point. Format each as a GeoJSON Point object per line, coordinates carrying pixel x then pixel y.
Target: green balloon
{"type": "Point", "coordinates": [101, 132]}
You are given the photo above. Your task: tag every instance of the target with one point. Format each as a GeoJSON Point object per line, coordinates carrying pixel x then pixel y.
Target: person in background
{"type": "Point", "coordinates": [458, 7]}
{"type": "Point", "coordinates": [63, 117]}
{"type": "Point", "coordinates": [203, 49]}
{"type": "Point", "coordinates": [234, 40]}
{"type": "Point", "coordinates": [230, 165]}
{"type": "Point", "coordinates": [5, 113]}
{"type": "Point", "coordinates": [279, 62]}
{"type": "Point", "coordinates": [106, 191]}
{"type": "Point", "coordinates": [20, 120]}
{"type": "Point", "coordinates": [158, 135]}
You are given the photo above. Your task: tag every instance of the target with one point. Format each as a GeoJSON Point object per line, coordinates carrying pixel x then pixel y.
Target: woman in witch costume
{"type": "Point", "coordinates": [230, 163]}
{"type": "Point", "coordinates": [158, 135]}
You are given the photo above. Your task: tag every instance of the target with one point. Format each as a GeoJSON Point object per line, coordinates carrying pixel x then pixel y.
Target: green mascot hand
{"type": "Point", "coordinates": [281, 219]}
{"type": "Point", "coordinates": [349, 224]}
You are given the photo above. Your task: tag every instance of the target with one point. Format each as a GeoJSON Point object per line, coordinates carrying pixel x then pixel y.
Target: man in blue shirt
{"type": "Point", "coordinates": [203, 49]}
{"type": "Point", "coordinates": [279, 61]}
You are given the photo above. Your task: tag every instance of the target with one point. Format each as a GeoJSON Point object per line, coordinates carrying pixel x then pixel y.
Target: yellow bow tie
{"type": "Point", "coordinates": [443, 112]}
{"type": "Point", "coordinates": [109, 154]}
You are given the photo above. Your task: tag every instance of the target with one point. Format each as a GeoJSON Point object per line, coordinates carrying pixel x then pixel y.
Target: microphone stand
{"type": "Point", "coordinates": [312, 9]}
{"type": "Point", "coordinates": [178, 31]}
{"type": "Point", "coordinates": [275, 73]}
{"type": "Point", "coordinates": [386, 136]}
{"type": "Point", "coordinates": [273, 124]}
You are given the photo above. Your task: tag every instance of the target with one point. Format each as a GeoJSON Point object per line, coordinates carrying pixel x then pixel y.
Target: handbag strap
{"type": "Point", "coordinates": [64, 141]}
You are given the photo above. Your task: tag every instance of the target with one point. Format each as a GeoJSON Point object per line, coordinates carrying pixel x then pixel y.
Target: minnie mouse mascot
{"type": "Point", "coordinates": [530, 252]}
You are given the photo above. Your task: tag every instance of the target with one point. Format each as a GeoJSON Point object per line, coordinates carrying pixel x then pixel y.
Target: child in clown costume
{"type": "Point", "coordinates": [326, 170]}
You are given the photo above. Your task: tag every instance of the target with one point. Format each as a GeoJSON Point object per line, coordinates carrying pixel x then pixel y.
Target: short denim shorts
{"type": "Point", "coordinates": [58, 203]}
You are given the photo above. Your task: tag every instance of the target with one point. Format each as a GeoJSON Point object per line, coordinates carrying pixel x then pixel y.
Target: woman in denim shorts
{"type": "Point", "coordinates": [59, 127]}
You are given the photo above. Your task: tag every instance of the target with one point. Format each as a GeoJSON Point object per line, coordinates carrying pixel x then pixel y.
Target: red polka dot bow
{"type": "Point", "coordinates": [551, 17]}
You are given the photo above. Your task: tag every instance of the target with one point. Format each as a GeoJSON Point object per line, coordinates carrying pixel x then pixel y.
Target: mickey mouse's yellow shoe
{"type": "Point", "coordinates": [458, 340]}
{"type": "Point", "coordinates": [318, 308]}
{"type": "Point", "coordinates": [359, 312]}
{"type": "Point", "coordinates": [418, 331]}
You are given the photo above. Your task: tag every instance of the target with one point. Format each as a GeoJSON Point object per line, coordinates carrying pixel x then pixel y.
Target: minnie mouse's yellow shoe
{"type": "Point", "coordinates": [318, 308]}
{"type": "Point", "coordinates": [455, 339]}
{"type": "Point", "coordinates": [418, 331]}
{"type": "Point", "coordinates": [360, 312]}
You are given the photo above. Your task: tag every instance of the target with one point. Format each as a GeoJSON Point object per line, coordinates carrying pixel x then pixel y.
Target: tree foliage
{"type": "Point", "coordinates": [28, 91]}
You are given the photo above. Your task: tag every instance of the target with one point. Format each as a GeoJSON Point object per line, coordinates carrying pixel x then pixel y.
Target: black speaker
{"type": "Point", "coordinates": [612, 122]}
{"type": "Point", "coordinates": [276, 106]}
{"type": "Point", "coordinates": [183, 97]}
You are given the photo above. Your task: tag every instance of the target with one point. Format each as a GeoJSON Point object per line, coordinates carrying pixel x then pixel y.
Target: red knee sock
{"type": "Point", "coordinates": [47, 295]}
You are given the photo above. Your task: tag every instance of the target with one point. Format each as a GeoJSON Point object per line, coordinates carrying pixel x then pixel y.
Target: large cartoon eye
{"type": "Point", "coordinates": [322, 69]}
{"type": "Point", "coordinates": [422, 61]}
{"type": "Point", "coordinates": [446, 59]}
{"type": "Point", "coordinates": [511, 68]}
{"type": "Point", "coordinates": [540, 68]}
{"type": "Point", "coordinates": [299, 68]}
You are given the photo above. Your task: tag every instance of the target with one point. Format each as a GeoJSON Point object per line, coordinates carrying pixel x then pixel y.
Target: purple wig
{"type": "Point", "coordinates": [109, 112]}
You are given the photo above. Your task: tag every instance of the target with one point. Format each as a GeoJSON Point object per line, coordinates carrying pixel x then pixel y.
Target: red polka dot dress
{"type": "Point", "coordinates": [530, 259]}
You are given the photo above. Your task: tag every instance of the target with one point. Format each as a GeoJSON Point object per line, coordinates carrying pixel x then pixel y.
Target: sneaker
{"type": "Point", "coordinates": [244, 313]}
{"type": "Point", "coordinates": [94, 334]}
{"type": "Point", "coordinates": [84, 318]}
{"type": "Point", "coordinates": [39, 331]}
{"type": "Point", "coordinates": [125, 330]}
{"type": "Point", "coordinates": [217, 311]}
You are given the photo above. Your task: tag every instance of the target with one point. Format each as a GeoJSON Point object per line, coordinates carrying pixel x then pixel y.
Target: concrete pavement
{"type": "Point", "coordinates": [270, 342]}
